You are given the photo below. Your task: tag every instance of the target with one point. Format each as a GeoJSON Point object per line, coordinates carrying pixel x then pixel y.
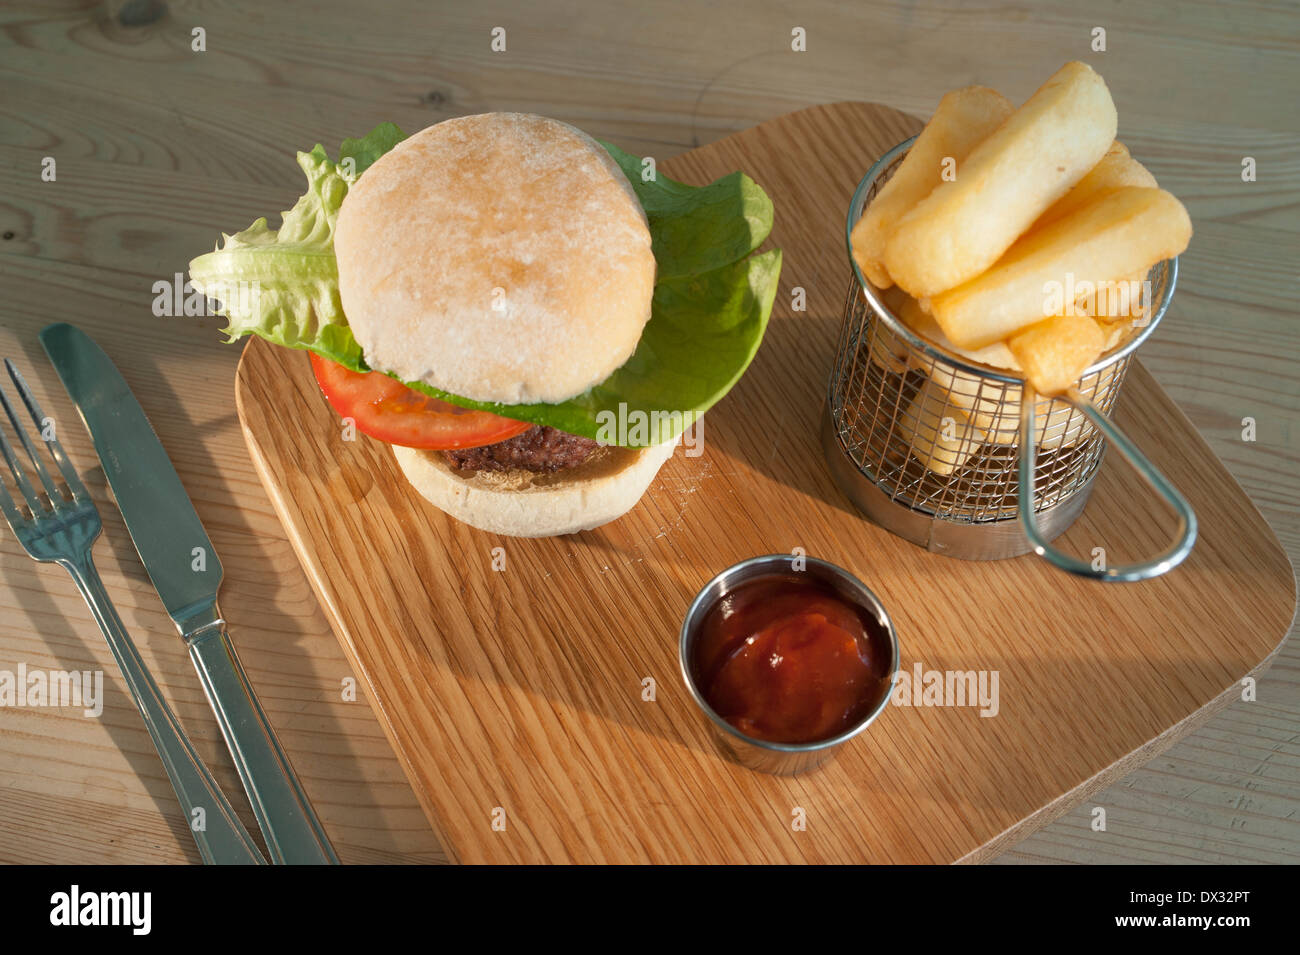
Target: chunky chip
{"type": "Point", "coordinates": [1119, 234]}
{"type": "Point", "coordinates": [961, 121]}
{"type": "Point", "coordinates": [1009, 180]}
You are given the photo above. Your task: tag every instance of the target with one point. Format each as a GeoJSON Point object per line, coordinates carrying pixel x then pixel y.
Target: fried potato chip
{"type": "Point", "coordinates": [1046, 272]}
{"type": "Point", "coordinates": [982, 399]}
{"type": "Point", "coordinates": [940, 434]}
{"type": "Point", "coordinates": [914, 315]}
{"type": "Point", "coordinates": [1126, 298]}
{"type": "Point", "coordinates": [1033, 159]}
{"type": "Point", "coordinates": [1055, 353]}
{"type": "Point", "coordinates": [962, 119]}
{"type": "Point", "coordinates": [1116, 169]}
{"type": "Point", "coordinates": [992, 408]}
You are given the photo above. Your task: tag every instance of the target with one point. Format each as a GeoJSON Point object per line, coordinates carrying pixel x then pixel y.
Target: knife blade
{"type": "Point", "coordinates": [187, 574]}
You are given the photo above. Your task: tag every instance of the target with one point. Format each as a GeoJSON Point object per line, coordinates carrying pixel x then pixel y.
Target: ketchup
{"type": "Point", "coordinates": [785, 658]}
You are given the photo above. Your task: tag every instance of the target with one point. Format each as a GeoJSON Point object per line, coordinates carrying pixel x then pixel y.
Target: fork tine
{"type": "Point", "coordinates": [20, 477]}
{"type": "Point", "coordinates": [32, 453]}
{"type": "Point", "coordinates": [66, 467]}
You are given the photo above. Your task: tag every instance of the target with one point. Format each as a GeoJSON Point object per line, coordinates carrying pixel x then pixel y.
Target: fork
{"type": "Point", "coordinates": [61, 528]}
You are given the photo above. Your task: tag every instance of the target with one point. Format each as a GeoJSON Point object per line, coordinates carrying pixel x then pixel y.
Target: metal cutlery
{"type": "Point", "coordinates": [187, 574]}
{"type": "Point", "coordinates": [59, 525]}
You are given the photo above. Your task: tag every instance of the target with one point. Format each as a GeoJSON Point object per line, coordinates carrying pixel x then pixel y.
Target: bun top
{"type": "Point", "coordinates": [500, 257]}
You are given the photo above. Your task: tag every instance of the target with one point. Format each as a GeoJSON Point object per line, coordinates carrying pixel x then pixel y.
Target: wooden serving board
{"type": "Point", "coordinates": [518, 694]}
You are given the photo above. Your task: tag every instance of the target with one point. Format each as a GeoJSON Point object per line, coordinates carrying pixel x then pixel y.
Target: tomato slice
{"type": "Point", "coordinates": [384, 408]}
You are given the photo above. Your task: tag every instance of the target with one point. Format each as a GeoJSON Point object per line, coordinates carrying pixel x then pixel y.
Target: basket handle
{"type": "Point", "coordinates": [1153, 567]}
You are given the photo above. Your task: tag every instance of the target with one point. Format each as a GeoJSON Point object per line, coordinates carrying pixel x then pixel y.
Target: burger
{"type": "Point", "coordinates": [530, 318]}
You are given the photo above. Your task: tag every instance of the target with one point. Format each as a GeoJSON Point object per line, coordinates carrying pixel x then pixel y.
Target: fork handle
{"type": "Point", "coordinates": [293, 833]}
{"type": "Point", "coordinates": [222, 840]}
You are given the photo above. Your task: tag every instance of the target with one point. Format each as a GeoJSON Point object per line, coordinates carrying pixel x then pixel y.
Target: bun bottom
{"type": "Point", "coordinates": [520, 503]}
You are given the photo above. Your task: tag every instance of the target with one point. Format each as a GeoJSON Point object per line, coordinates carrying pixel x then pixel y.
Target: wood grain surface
{"type": "Point", "coordinates": [508, 673]}
{"type": "Point", "coordinates": [159, 147]}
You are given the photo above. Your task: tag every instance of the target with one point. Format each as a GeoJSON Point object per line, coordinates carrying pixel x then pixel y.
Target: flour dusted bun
{"type": "Point", "coordinates": [501, 257]}
{"type": "Point", "coordinates": [521, 503]}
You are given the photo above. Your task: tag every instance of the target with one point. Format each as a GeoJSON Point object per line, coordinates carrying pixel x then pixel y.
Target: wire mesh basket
{"type": "Point", "coordinates": [941, 449]}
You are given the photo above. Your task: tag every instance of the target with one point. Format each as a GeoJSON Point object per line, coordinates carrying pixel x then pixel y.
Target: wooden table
{"type": "Point", "coordinates": [158, 146]}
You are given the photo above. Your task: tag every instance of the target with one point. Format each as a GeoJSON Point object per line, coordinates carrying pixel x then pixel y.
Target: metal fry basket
{"type": "Point", "coordinates": [942, 450]}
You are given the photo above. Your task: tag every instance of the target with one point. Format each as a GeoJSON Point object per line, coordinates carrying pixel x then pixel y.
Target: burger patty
{"type": "Point", "coordinates": [537, 449]}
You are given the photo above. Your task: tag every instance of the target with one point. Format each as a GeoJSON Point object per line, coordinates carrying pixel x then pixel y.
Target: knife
{"type": "Point", "coordinates": [186, 573]}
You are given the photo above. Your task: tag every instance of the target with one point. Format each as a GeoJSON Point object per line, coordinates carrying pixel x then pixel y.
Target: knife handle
{"type": "Point", "coordinates": [293, 834]}
{"type": "Point", "coordinates": [223, 840]}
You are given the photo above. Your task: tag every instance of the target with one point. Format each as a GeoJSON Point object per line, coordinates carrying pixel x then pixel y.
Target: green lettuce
{"type": "Point", "coordinates": [711, 304]}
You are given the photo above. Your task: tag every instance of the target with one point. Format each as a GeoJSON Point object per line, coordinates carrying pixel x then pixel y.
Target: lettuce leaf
{"type": "Point", "coordinates": [363, 152]}
{"type": "Point", "coordinates": [283, 284]}
{"type": "Point", "coordinates": [695, 229]}
{"type": "Point", "coordinates": [711, 302]}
